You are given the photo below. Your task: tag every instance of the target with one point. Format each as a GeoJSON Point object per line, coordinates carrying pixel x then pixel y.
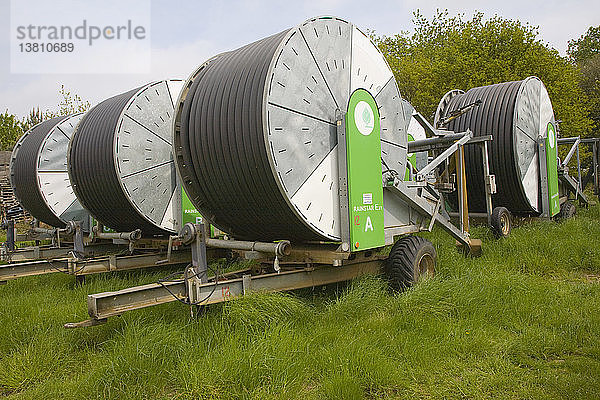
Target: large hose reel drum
{"type": "Point", "coordinates": [38, 173]}
{"type": "Point", "coordinates": [516, 114]}
{"type": "Point", "coordinates": [255, 132]}
{"type": "Point", "coordinates": [121, 163]}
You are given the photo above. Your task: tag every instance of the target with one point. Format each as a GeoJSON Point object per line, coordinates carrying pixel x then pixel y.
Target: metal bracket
{"type": "Point", "coordinates": [78, 238]}
{"type": "Point", "coordinates": [10, 235]}
{"type": "Point", "coordinates": [574, 147]}
{"type": "Point", "coordinates": [112, 262]}
{"type": "Point", "coordinates": [343, 181]}
{"type": "Point", "coordinates": [428, 127]}
{"type": "Point", "coordinates": [421, 175]}
{"type": "Point", "coordinates": [198, 245]}
{"type": "Point", "coordinates": [541, 146]}
{"type": "Point", "coordinates": [574, 186]}
{"type": "Point", "coordinates": [489, 180]}
{"type": "Point", "coordinates": [424, 207]}
{"type": "Point", "coordinates": [434, 214]}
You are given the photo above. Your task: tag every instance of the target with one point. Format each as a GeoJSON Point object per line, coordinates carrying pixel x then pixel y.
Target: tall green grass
{"type": "Point", "coordinates": [522, 321]}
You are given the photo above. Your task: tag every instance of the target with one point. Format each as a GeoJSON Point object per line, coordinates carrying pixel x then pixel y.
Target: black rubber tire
{"type": "Point", "coordinates": [501, 223]}
{"type": "Point", "coordinates": [410, 258]}
{"type": "Point", "coordinates": [567, 210]}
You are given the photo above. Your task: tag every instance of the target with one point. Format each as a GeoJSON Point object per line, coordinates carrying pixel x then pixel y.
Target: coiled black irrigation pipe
{"type": "Point", "coordinates": [39, 175]}
{"type": "Point", "coordinates": [121, 163]}
{"type": "Point", "coordinates": [514, 113]}
{"type": "Point", "coordinates": [255, 133]}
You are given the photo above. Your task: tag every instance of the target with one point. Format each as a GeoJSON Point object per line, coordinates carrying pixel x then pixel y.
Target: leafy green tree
{"type": "Point", "coordinates": [70, 104]}
{"type": "Point", "coordinates": [585, 53]}
{"type": "Point", "coordinates": [587, 46]}
{"type": "Point", "coordinates": [35, 117]}
{"type": "Point", "coordinates": [451, 52]}
{"type": "Point", "coordinates": [10, 131]}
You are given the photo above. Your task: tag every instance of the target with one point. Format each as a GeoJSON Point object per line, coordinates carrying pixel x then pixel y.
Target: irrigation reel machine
{"type": "Point", "coordinates": [44, 189]}
{"type": "Point", "coordinates": [121, 220]}
{"type": "Point", "coordinates": [530, 178]}
{"type": "Point", "coordinates": [296, 146]}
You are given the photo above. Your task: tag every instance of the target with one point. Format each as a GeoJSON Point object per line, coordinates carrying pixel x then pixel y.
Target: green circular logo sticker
{"type": "Point", "coordinates": [551, 135]}
{"type": "Point", "coordinates": [364, 118]}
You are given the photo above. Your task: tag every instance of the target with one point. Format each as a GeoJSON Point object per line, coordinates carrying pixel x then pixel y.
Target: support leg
{"type": "Point", "coordinates": [489, 182]}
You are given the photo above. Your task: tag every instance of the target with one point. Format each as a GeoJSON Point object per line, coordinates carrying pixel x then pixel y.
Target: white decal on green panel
{"type": "Point", "coordinates": [364, 118]}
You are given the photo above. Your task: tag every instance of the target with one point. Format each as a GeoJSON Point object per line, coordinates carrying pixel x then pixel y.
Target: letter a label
{"type": "Point", "coordinates": [368, 225]}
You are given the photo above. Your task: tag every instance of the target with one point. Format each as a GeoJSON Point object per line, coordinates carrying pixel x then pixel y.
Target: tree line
{"type": "Point", "coordinates": [452, 52]}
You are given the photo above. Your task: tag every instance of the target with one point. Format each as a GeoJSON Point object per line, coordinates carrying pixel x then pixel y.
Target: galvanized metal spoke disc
{"type": "Point", "coordinates": [53, 176]}
{"type": "Point", "coordinates": [442, 107]}
{"type": "Point", "coordinates": [143, 153]}
{"type": "Point", "coordinates": [314, 71]}
{"type": "Point", "coordinates": [39, 173]}
{"type": "Point", "coordinates": [533, 112]}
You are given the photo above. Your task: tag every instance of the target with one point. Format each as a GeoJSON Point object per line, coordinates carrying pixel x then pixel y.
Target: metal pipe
{"type": "Point", "coordinates": [590, 140]}
{"type": "Point", "coordinates": [44, 231]}
{"type": "Point", "coordinates": [282, 248]}
{"type": "Point", "coordinates": [131, 236]}
{"type": "Point", "coordinates": [471, 214]}
{"type": "Point", "coordinates": [567, 140]}
{"type": "Point", "coordinates": [595, 166]}
{"type": "Point", "coordinates": [463, 207]}
{"type": "Point", "coordinates": [579, 169]}
{"type": "Point", "coordinates": [574, 147]}
{"type": "Point", "coordinates": [444, 155]}
{"type": "Point", "coordinates": [435, 144]}
{"type": "Point", "coordinates": [416, 145]}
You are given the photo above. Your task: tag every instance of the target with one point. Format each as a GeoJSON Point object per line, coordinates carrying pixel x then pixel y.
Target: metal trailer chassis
{"type": "Point", "coordinates": [571, 188]}
{"type": "Point", "coordinates": [10, 252]}
{"type": "Point", "coordinates": [64, 241]}
{"type": "Point", "coordinates": [411, 207]}
{"type": "Point", "coordinates": [97, 253]}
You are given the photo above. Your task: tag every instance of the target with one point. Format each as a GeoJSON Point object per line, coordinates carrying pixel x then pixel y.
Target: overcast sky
{"type": "Point", "coordinates": [185, 33]}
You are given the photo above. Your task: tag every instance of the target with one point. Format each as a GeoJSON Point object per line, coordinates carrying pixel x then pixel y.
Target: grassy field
{"type": "Point", "coordinates": [522, 321]}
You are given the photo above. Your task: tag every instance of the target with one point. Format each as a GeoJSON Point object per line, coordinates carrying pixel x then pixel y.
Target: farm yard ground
{"type": "Point", "coordinates": [522, 321]}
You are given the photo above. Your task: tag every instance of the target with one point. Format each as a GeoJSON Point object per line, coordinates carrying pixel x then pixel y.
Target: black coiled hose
{"type": "Point", "coordinates": [222, 139]}
{"type": "Point", "coordinates": [24, 179]}
{"type": "Point", "coordinates": [495, 116]}
{"type": "Point", "coordinates": [92, 168]}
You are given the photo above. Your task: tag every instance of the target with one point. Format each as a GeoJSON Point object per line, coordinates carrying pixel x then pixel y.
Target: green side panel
{"type": "Point", "coordinates": [552, 167]}
{"type": "Point", "coordinates": [412, 159]}
{"type": "Point", "coordinates": [188, 211]}
{"type": "Point", "coordinates": [365, 191]}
